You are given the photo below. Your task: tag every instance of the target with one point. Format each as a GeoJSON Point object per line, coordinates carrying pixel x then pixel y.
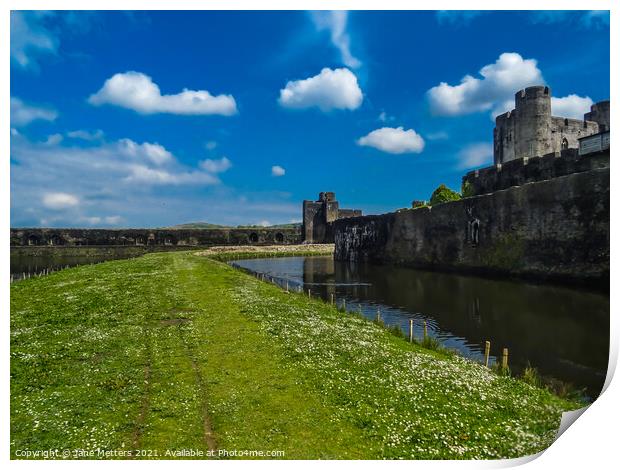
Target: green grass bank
{"type": "Point", "coordinates": [175, 351]}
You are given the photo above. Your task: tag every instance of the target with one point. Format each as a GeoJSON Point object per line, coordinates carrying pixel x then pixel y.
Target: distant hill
{"type": "Point", "coordinates": [198, 225]}
{"type": "Point", "coordinates": [271, 226]}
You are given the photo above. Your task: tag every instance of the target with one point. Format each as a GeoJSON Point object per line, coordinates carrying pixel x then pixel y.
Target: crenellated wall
{"type": "Point", "coordinates": [528, 170]}
{"type": "Point", "coordinates": [555, 229]}
{"type": "Point", "coordinates": [530, 130]}
{"type": "Point", "coordinates": [153, 237]}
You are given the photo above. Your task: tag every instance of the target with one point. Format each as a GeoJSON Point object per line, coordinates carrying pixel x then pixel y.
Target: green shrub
{"type": "Point", "coordinates": [530, 376]}
{"type": "Point", "coordinates": [444, 194]}
{"type": "Point", "coordinates": [429, 342]}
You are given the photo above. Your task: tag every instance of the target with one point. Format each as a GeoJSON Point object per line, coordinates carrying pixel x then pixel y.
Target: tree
{"type": "Point", "coordinates": [444, 194]}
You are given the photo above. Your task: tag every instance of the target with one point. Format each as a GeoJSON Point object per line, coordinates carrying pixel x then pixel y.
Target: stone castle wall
{"type": "Point", "coordinates": [556, 229]}
{"type": "Point", "coordinates": [153, 237]}
{"type": "Point", "coordinates": [530, 130]}
{"type": "Point", "coordinates": [318, 218]}
{"type": "Point", "coordinates": [528, 170]}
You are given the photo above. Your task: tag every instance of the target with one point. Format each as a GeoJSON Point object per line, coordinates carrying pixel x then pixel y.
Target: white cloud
{"type": "Point", "coordinates": [475, 155]}
{"type": "Point", "coordinates": [498, 84]}
{"type": "Point", "coordinates": [58, 201]}
{"type": "Point", "coordinates": [23, 114]}
{"type": "Point", "coordinates": [35, 34]}
{"type": "Point", "coordinates": [393, 140]}
{"type": "Point", "coordinates": [53, 139]}
{"type": "Point", "coordinates": [584, 19]}
{"type": "Point", "coordinates": [107, 165]}
{"type": "Point", "coordinates": [385, 117]}
{"type": "Point", "coordinates": [264, 223]}
{"type": "Point", "coordinates": [137, 91]}
{"type": "Point", "coordinates": [86, 135]}
{"type": "Point", "coordinates": [100, 176]}
{"type": "Point", "coordinates": [94, 220]}
{"type": "Point", "coordinates": [336, 23]}
{"type": "Point", "coordinates": [156, 176]}
{"type": "Point", "coordinates": [571, 106]}
{"type": "Point", "coordinates": [113, 219]}
{"type": "Point", "coordinates": [277, 170]}
{"type": "Point", "coordinates": [331, 89]}
{"type": "Point", "coordinates": [216, 166]}
{"type": "Point", "coordinates": [30, 38]}
{"type": "Point", "coordinates": [154, 152]}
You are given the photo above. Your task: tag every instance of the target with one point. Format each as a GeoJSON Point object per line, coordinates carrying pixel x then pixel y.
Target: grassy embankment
{"type": "Point", "coordinates": [176, 351]}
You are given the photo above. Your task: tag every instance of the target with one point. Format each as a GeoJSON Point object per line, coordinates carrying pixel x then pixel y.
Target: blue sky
{"type": "Point", "coordinates": [145, 119]}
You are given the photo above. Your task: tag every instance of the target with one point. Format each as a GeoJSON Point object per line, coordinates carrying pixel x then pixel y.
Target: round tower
{"type": "Point", "coordinates": [533, 123]}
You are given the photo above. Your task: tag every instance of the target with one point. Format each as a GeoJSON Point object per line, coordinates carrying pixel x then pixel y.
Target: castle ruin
{"type": "Point", "coordinates": [541, 211]}
{"type": "Point", "coordinates": [530, 130]}
{"type": "Point", "coordinates": [318, 217]}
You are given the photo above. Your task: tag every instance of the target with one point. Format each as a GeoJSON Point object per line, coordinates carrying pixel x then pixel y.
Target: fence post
{"type": "Point", "coordinates": [487, 350]}
{"type": "Point", "coordinates": [411, 331]}
{"type": "Point", "coordinates": [505, 359]}
{"type": "Point", "coordinates": [287, 286]}
{"type": "Point", "coordinates": [344, 305]}
{"type": "Point", "coordinates": [425, 331]}
{"type": "Point", "coordinates": [378, 315]}
{"type": "Point", "coordinates": [332, 296]}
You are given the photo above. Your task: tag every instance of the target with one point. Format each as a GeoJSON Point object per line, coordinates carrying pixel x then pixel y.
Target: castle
{"type": "Point", "coordinates": [318, 218]}
{"type": "Point", "coordinates": [530, 130]}
{"type": "Point", "coordinates": [541, 211]}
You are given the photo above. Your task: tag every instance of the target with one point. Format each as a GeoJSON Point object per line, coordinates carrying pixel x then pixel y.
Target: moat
{"type": "Point", "coordinates": [563, 332]}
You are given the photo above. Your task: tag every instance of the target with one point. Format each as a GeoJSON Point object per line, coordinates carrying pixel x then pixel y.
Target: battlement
{"type": "Point", "coordinates": [532, 93]}
{"type": "Point", "coordinates": [528, 170]}
{"type": "Point", "coordinates": [530, 130]}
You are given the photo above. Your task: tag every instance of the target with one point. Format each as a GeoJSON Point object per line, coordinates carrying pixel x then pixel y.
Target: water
{"type": "Point", "coordinates": [25, 264]}
{"type": "Point", "coordinates": [563, 332]}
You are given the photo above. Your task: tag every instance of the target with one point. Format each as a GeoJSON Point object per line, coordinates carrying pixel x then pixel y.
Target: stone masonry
{"type": "Point", "coordinates": [530, 130]}
{"type": "Point", "coordinates": [319, 216]}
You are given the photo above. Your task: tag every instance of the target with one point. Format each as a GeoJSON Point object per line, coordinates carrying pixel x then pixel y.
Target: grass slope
{"type": "Point", "coordinates": [176, 351]}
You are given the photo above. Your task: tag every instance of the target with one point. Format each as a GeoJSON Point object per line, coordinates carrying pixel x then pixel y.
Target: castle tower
{"type": "Point", "coordinates": [532, 129]}
{"type": "Point", "coordinates": [599, 113]}
{"type": "Point", "coordinates": [318, 218]}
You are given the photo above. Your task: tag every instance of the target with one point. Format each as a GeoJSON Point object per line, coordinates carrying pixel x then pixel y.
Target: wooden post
{"type": "Point", "coordinates": [287, 286]}
{"type": "Point", "coordinates": [411, 331]}
{"type": "Point", "coordinates": [332, 299]}
{"type": "Point", "coordinates": [487, 350]}
{"type": "Point", "coordinates": [378, 315]}
{"type": "Point", "coordinates": [425, 331]}
{"type": "Point", "coordinates": [344, 305]}
{"type": "Point", "coordinates": [505, 359]}
{"type": "Point", "coordinates": [308, 293]}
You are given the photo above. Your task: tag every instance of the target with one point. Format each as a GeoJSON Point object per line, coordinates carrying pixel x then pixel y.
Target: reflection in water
{"type": "Point", "coordinates": [23, 265]}
{"type": "Point", "coordinates": [561, 331]}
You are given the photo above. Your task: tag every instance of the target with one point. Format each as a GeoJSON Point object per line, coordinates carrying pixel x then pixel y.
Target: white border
{"type": "Point", "coordinates": [591, 442]}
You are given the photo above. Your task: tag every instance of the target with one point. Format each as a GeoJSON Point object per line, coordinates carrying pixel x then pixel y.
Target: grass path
{"type": "Point", "coordinates": [173, 351]}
